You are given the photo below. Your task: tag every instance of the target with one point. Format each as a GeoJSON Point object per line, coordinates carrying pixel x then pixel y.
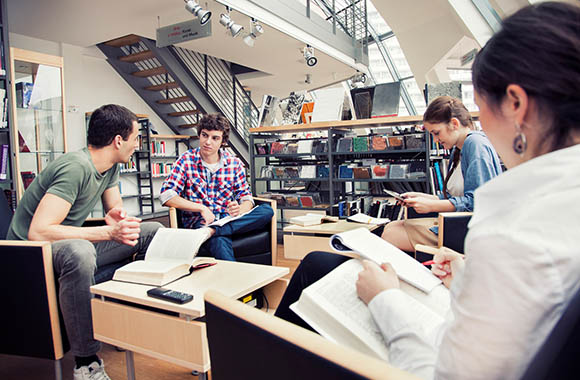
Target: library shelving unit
{"type": "Point", "coordinates": [333, 188]}
{"type": "Point", "coordinates": [7, 183]}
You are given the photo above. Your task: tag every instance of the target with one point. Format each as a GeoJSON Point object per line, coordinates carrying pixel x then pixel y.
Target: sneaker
{"type": "Point", "coordinates": [93, 371]}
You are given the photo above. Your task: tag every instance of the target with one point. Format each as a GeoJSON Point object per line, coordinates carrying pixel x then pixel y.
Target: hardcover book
{"type": "Point", "coordinates": [379, 143]}
{"type": "Point", "coordinates": [277, 147]}
{"type": "Point", "coordinates": [170, 255]}
{"type": "Point", "coordinates": [4, 162]}
{"type": "Point", "coordinates": [344, 144]}
{"type": "Point", "coordinates": [386, 99]}
{"type": "Point", "coordinates": [332, 307]}
{"type": "Point", "coordinates": [415, 141]}
{"type": "Point", "coordinates": [360, 144]}
{"type": "Point", "coordinates": [396, 143]}
{"type": "Point", "coordinates": [380, 171]}
{"type": "Point", "coordinates": [361, 172]}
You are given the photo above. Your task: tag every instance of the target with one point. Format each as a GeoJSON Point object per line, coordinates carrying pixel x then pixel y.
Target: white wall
{"type": "Point", "coordinates": [89, 83]}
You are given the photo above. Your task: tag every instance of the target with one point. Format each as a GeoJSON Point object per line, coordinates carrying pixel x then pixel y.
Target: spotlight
{"type": "Point", "coordinates": [232, 27]}
{"type": "Point", "coordinates": [311, 60]}
{"type": "Point", "coordinates": [359, 78]}
{"type": "Point", "coordinates": [193, 7]}
{"type": "Point", "coordinates": [255, 30]}
{"type": "Point", "coordinates": [308, 79]}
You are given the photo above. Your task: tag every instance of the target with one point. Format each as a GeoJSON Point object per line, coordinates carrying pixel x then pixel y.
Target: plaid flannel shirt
{"type": "Point", "coordinates": [191, 180]}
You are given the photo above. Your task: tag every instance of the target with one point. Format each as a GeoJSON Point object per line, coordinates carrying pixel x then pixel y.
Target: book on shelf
{"type": "Point", "coordinates": [23, 94]}
{"type": "Point", "coordinates": [4, 161]}
{"type": "Point", "coordinates": [379, 143]}
{"type": "Point", "coordinates": [386, 99]}
{"type": "Point", "coordinates": [306, 112]}
{"type": "Point", "coordinates": [170, 255]}
{"type": "Point", "coordinates": [332, 307]}
{"type": "Point", "coordinates": [305, 146]}
{"type": "Point", "coordinates": [328, 104]}
{"type": "Point", "coordinates": [270, 112]}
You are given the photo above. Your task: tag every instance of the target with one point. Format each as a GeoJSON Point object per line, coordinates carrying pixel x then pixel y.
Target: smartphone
{"type": "Point", "coordinates": [395, 195]}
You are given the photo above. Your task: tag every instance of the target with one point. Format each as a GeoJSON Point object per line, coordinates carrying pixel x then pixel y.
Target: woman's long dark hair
{"type": "Point", "coordinates": [537, 48]}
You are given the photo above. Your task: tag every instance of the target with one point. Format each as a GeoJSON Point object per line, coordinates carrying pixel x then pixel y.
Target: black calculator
{"type": "Point", "coordinates": [170, 295]}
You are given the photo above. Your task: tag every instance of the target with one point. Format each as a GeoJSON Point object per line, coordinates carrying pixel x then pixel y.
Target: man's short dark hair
{"type": "Point", "coordinates": [107, 122]}
{"type": "Point", "coordinates": [215, 122]}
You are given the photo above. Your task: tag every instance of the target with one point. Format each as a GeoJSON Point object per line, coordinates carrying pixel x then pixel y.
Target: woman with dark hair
{"type": "Point", "coordinates": [521, 253]}
{"type": "Point", "coordinates": [450, 123]}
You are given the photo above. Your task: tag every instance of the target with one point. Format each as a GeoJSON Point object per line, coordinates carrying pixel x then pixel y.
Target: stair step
{"type": "Point", "coordinates": [129, 39]}
{"type": "Point", "coordinates": [136, 57]}
{"type": "Point", "coordinates": [184, 113]}
{"type": "Point", "coordinates": [180, 99]}
{"type": "Point", "coordinates": [162, 86]}
{"type": "Point", "coordinates": [150, 72]}
{"type": "Point", "coordinates": [188, 126]}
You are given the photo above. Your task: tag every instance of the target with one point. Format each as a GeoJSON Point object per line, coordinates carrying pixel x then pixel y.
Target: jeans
{"type": "Point", "coordinates": [312, 268]}
{"type": "Point", "coordinates": [220, 244]}
{"type": "Point", "coordinates": [75, 262]}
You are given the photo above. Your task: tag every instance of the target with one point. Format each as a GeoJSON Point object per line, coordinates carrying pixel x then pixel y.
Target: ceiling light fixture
{"type": "Point", "coordinates": [256, 30]}
{"type": "Point", "coordinates": [194, 8]}
{"type": "Point", "coordinates": [230, 25]}
{"type": "Point", "coordinates": [359, 78]}
{"type": "Point", "coordinates": [311, 60]}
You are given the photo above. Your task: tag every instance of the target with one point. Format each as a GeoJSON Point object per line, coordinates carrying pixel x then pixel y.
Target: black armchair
{"type": "Point", "coordinates": [257, 247]}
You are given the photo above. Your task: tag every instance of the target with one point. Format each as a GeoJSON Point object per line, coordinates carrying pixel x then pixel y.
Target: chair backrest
{"type": "Point", "coordinates": [5, 215]}
{"type": "Point", "coordinates": [559, 356]}
{"type": "Point", "coordinates": [453, 229]}
{"type": "Point", "coordinates": [248, 343]}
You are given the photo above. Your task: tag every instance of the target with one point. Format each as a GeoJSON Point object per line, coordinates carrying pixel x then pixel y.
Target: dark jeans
{"type": "Point", "coordinates": [75, 262]}
{"type": "Point", "coordinates": [312, 268]}
{"type": "Point", "coordinates": [220, 244]}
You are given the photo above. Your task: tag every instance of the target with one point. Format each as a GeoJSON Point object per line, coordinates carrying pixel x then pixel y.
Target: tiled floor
{"type": "Point", "coordinates": [20, 368]}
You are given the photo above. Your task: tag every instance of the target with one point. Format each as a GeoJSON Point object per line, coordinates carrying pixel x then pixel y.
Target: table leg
{"type": "Point", "coordinates": [130, 365]}
{"type": "Point", "coordinates": [58, 369]}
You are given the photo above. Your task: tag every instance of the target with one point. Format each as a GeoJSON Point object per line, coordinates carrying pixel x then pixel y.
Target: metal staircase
{"type": "Point", "coordinates": [181, 85]}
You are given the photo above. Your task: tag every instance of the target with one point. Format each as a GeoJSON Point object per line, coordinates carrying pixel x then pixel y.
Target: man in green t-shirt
{"type": "Point", "coordinates": [55, 206]}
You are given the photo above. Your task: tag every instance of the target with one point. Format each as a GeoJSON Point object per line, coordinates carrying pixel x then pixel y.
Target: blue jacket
{"type": "Point", "coordinates": [479, 164]}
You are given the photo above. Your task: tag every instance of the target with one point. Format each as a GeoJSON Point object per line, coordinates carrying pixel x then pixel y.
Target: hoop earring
{"type": "Point", "coordinates": [520, 144]}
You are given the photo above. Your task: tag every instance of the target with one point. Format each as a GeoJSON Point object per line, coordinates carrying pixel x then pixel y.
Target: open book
{"type": "Point", "coordinates": [365, 219]}
{"type": "Point", "coordinates": [227, 219]}
{"type": "Point", "coordinates": [332, 307]}
{"type": "Point", "coordinates": [170, 255]}
{"type": "Point", "coordinates": [312, 219]}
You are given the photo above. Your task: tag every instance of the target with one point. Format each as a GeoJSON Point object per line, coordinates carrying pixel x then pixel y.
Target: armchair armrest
{"type": "Point", "coordinates": [27, 267]}
{"type": "Point", "coordinates": [273, 226]}
{"type": "Point", "coordinates": [453, 229]}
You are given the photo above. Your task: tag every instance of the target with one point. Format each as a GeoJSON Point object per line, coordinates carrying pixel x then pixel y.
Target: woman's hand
{"type": "Point", "coordinates": [416, 194]}
{"type": "Point", "coordinates": [421, 204]}
{"type": "Point", "coordinates": [374, 279]}
{"type": "Point", "coordinates": [447, 264]}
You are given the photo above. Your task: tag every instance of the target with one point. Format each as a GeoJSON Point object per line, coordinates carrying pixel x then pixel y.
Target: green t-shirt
{"type": "Point", "coordinates": [72, 177]}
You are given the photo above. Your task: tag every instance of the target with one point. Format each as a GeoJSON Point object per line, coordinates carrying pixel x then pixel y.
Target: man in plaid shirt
{"type": "Point", "coordinates": [209, 183]}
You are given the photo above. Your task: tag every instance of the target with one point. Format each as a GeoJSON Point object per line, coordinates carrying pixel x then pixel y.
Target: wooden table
{"type": "Point", "coordinates": [124, 316]}
{"type": "Point", "coordinates": [301, 240]}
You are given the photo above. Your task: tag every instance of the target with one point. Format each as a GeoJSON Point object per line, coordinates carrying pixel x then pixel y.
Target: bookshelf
{"type": "Point", "coordinates": [7, 150]}
{"type": "Point", "coordinates": [338, 185]}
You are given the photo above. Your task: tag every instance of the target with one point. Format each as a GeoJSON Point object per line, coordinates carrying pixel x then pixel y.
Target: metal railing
{"type": "Point", "coordinates": [224, 89]}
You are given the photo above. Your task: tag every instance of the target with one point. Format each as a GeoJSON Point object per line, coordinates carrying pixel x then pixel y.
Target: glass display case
{"type": "Point", "coordinates": [38, 107]}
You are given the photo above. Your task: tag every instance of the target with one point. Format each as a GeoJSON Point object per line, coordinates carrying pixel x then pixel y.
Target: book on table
{"type": "Point", "coordinates": [312, 219]}
{"type": "Point", "coordinates": [366, 219]}
{"type": "Point", "coordinates": [332, 307]}
{"type": "Point", "coordinates": [170, 255]}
